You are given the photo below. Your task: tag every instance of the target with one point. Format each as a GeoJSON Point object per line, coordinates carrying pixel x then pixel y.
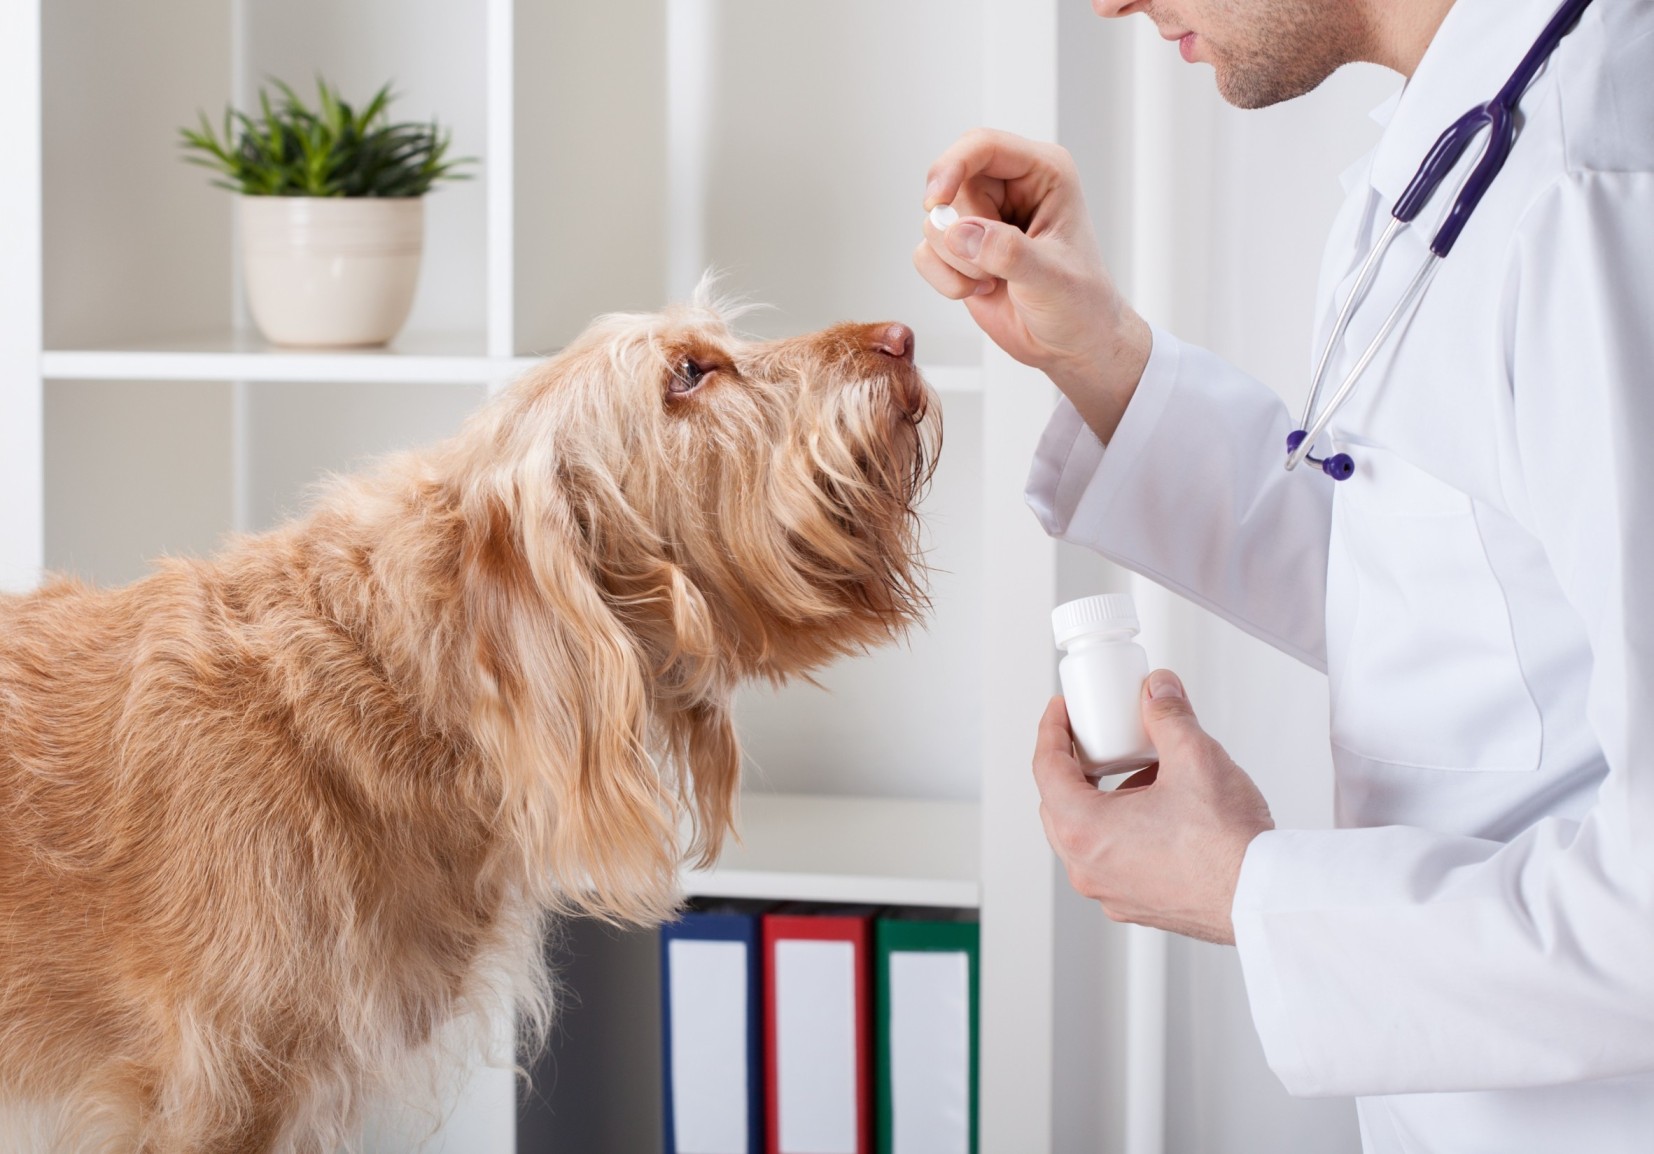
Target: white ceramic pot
{"type": "Point", "coordinates": [331, 270]}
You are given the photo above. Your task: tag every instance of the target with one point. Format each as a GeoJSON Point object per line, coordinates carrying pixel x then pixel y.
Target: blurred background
{"type": "Point", "coordinates": [622, 148]}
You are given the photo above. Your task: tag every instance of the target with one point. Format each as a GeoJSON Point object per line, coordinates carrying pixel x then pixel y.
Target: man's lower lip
{"type": "Point", "coordinates": [1187, 47]}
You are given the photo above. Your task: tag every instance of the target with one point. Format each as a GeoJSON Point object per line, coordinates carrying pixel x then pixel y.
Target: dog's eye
{"type": "Point", "coordinates": [688, 376]}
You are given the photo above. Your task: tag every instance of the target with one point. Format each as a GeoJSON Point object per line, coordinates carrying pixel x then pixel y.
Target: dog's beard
{"type": "Point", "coordinates": [872, 480]}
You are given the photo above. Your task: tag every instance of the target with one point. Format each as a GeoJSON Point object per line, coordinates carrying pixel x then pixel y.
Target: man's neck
{"type": "Point", "coordinates": [1402, 29]}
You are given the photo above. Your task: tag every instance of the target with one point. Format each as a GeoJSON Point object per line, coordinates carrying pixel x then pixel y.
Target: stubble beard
{"type": "Point", "coordinates": [1282, 49]}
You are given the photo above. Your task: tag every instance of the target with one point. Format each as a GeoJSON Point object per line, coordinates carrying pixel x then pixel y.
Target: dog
{"type": "Point", "coordinates": [272, 820]}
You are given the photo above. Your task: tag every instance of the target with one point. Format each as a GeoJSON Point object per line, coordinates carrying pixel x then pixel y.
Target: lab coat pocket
{"type": "Point", "coordinates": [1424, 666]}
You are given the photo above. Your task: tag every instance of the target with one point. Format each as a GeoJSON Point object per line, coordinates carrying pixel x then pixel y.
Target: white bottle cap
{"type": "Point", "coordinates": [1104, 613]}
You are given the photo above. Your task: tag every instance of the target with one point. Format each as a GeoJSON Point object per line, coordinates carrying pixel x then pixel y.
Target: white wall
{"type": "Point", "coordinates": [136, 241]}
{"type": "Point", "coordinates": [591, 165]}
{"type": "Point", "coordinates": [134, 472]}
{"type": "Point", "coordinates": [300, 432]}
{"type": "Point", "coordinates": [136, 245]}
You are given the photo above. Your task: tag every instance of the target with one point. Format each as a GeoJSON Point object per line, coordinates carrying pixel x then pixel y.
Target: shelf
{"type": "Point", "coordinates": [414, 359]}
{"type": "Point", "coordinates": [849, 849]}
{"type": "Point", "coordinates": [411, 359]}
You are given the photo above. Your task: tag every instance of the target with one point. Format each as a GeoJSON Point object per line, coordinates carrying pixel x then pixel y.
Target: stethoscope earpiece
{"type": "Point", "coordinates": [1339, 466]}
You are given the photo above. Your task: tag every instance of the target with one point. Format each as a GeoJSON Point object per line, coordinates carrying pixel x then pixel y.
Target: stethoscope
{"type": "Point", "coordinates": [1498, 117]}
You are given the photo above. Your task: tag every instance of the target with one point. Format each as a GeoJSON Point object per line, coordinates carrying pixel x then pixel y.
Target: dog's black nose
{"type": "Point", "coordinates": [894, 340]}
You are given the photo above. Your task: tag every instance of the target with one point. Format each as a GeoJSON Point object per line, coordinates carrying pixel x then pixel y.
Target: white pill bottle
{"type": "Point", "coordinates": [1102, 680]}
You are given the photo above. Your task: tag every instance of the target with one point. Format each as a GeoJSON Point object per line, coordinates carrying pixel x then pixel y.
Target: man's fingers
{"type": "Point", "coordinates": [944, 278]}
{"type": "Point", "coordinates": [943, 181]}
{"type": "Point", "coordinates": [989, 250]}
{"type": "Point", "coordinates": [1056, 771]}
{"type": "Point", "coordinates": [1053, 736]}
{"type": "Point", "coordinates": [1167, 715]}
{"type": "Point", "coordinates": [948, 249]}
{"type": "Point", "coordinates": [989, 153]}
{"type": "Point", "coordinates": [976, 175]}
{"type": "Point", "coordinates": [998, 250]}
{"type": "Point", "coordinates": [1164, 696]}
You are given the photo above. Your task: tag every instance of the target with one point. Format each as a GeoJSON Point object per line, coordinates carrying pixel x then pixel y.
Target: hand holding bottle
{"type": "Point", "coordinates": [1165, 849]}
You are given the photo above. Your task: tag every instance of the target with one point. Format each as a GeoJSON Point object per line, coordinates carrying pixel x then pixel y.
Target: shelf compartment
{"type": "Point", "coordinates": [882, 851]}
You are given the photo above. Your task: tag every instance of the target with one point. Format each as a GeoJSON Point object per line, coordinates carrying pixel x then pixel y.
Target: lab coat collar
{"type": "Point", "coordinates": [1386, 112]}
{"type": "Point", "coordinates": [1357, 175]}
{"type": "Point", "coordinates": [1475, 50]}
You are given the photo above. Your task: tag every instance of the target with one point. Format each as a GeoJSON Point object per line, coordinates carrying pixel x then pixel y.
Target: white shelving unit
{"type": "Point", "coordinates": [871, 851]}
{"type": "Point", "coordinates": [139, 291]}
{"type": "Point", "coordinates": [420, 359]}
{"type": "Point", "coordinates": [22, 507]}
{"type": "Point", "coordinates": [238, 357]}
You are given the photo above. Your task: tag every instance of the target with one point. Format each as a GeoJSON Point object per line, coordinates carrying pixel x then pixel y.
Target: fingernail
{"type": "Point", "coordinates": [933, 191]}
{"type": "Point", "coordinates": [983, 288]}
{"type": "Point", "coordinates": [965, 238]}
{"type": "Point", "coordinates": [1164, 683]}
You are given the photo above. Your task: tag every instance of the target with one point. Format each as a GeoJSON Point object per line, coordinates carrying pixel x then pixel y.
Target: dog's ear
{"type": "Point", "coordinates": [563, 714]}
{"type": "Point", "coordinates": [707, 746]}
{"type": "Point", "coordinates": [694, 637]}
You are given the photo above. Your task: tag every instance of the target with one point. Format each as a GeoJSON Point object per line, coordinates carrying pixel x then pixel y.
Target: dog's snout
{"type": "Point", "coordinates": [893, 340]}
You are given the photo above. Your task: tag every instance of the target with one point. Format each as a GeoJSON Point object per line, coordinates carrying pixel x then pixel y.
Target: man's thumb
{"type": "Point", "coordinates": [1166, 709]}
{"type": "Point", "coordinates": [996, 248]}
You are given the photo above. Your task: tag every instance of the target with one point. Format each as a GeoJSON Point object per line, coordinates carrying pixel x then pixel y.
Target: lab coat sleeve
{"type": "Point", "coordinates": [1393, 960]}
{"type": "Point", "coordinates": [1191, 493]}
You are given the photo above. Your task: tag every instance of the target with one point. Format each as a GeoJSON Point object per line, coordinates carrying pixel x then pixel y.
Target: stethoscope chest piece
{"type": "Point", "coordinates": [1339, 466]}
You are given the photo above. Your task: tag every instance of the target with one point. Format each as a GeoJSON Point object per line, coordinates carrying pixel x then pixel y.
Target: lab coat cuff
{"type": "Point", "coordinates": [1262, 869]}
{"type": "Point", "coordinates": [1073, 467]}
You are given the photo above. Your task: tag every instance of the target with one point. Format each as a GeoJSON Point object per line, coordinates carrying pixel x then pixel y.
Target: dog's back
{"type": "Point", "coordinates": [64, 652]}
{"type": "Point", "coordinates": [201, 854]}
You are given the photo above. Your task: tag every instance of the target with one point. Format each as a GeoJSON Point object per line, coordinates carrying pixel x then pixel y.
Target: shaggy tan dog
{"type": "Point", "coordinates": [269, 820]}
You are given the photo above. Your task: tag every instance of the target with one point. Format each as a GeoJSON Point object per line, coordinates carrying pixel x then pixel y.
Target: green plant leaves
{"type": "Point", "coordinates": [293, 149]}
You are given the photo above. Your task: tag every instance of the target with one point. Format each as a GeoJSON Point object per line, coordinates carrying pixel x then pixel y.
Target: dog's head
{"type": "Point", "coordinates": [661, 511]}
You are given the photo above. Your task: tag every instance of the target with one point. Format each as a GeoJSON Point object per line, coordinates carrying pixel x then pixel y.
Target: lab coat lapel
{"type": "Point", "coordinates": [1476, 49]}
{"type": "Point", "coordinates": [1350, 240]}
{"type": "Point", "coordinates": [1479, 44]}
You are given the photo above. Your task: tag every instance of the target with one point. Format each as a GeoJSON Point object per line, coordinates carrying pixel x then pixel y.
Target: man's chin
{"type": "Point", "coordinates": [1256, 88]}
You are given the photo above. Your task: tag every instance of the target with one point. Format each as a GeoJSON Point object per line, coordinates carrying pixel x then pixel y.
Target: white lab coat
{"type": "Point", "coordinates": [1472, 952]}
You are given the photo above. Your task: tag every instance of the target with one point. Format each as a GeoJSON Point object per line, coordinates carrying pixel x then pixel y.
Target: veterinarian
{"type": "Point", "coordinates": [1472, 952]}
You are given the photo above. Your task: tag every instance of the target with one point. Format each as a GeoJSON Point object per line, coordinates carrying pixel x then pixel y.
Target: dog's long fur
{"type": "Point", "coordinates": [269, 820]}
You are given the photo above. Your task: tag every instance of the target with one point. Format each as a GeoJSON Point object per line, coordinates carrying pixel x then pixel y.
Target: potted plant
{"type": "Point", "coordinates": [332, 211]}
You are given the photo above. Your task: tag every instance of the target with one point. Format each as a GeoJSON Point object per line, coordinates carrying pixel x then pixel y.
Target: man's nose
{"type": "Point", "coordinates": [1111, 8]}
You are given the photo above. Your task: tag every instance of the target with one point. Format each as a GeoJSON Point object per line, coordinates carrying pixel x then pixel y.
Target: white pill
{"type": "Point", "coordinates": [943, 215]}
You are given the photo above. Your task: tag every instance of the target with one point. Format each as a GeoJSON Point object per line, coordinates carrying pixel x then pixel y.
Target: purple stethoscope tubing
{"type": "Point", "coordinates": [1498, 118]}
